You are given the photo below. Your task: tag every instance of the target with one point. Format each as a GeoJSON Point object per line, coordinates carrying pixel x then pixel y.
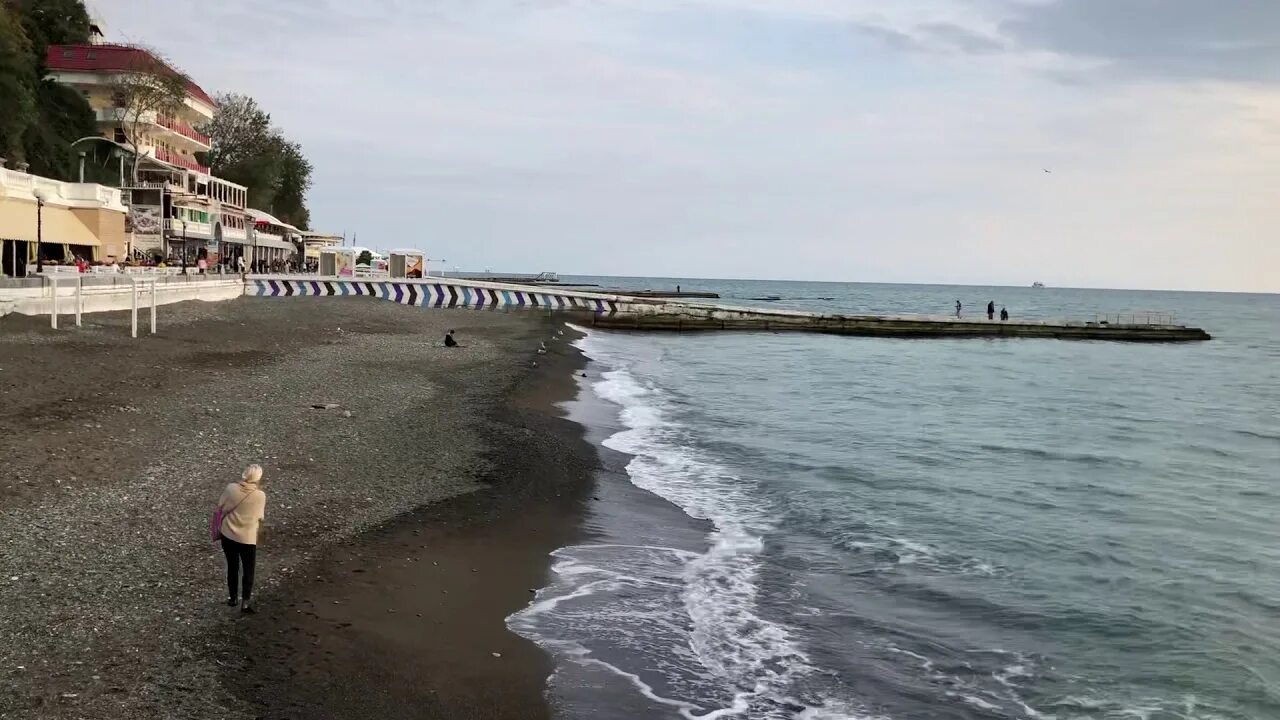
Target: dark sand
{"type": "Point", "coordinates": [405, 623]}
{"type": "Point", "coordinates": [447, 486]}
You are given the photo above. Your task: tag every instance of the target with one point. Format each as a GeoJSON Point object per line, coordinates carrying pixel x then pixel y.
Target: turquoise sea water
{"type": "Point", "coordinates": [826, 527]}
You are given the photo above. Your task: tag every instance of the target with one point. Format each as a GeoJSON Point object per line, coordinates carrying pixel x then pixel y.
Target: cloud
{"type": "Point", "coordinates": [822, 139]}
{"type": "Point", "coordinates": [1167, 39]}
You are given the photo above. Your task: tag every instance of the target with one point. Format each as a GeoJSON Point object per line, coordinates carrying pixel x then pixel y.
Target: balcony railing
{"type": "Point", "coordinates": [115, 117]}
{"type": "Point", "coordinates": [193, 227]}
{"type": "Point", "coordinates": [182, 129]}
{"type": "Point", "coordinates": [172, 158]}
{"type": "Point", "coordinates": [23, 185]}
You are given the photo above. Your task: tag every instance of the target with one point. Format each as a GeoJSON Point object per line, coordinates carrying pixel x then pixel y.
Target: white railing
{"type": "Point", "coordinates": [57, 193]}
{"type": "Point", "coordinates": [193, 227]}
{"type": "Point", "coordinates": [78, 295]}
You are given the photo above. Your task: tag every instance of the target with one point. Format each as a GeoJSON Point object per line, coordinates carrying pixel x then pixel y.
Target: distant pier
{"type": "Point", "coordinates": [667, 294]}
{"type": "Point", "coordinates": [702, 317]}
{"type": "Point", "coordinates": [630, 312]}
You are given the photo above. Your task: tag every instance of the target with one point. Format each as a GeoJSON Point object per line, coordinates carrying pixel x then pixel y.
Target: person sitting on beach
{"type": "Point", "coordinates": [243, 509]}
{"type": "Point", "coordinates": [1004, 314]}
{"type": "Point", "coordinates": [449, 341]}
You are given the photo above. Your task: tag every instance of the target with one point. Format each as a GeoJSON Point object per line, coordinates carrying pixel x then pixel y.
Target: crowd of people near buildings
{"type": "Point", "coordinates": [200, 266]}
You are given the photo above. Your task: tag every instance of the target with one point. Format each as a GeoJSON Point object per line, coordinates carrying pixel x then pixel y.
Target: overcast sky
{"type": "Point", "coordinates": [865, 140]}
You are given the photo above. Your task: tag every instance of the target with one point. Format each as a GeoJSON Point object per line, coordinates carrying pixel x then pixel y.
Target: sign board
{"type": "Point", "coordinates": [145, 223]}
{"type": "Point", "coordinates": [344, 264]}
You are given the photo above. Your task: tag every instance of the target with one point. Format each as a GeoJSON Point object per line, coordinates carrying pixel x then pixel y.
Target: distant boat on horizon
{"type": "Point", "coordinates": [1037, 284]}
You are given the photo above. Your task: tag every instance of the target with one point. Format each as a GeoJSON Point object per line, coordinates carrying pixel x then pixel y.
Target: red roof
{"type": "Point", "coordinates": [112, 59]}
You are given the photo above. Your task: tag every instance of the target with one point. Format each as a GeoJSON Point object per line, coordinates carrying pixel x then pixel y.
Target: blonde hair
{"type": "Point", "coordinates": [252, 474]}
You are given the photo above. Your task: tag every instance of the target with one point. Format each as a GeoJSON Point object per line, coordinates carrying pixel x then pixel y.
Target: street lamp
{"type": "Point", "coordinates": [184, 246]}
{"type": "Point", "coordinates": [41, 195]}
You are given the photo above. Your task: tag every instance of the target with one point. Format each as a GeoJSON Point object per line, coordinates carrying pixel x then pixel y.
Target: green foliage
{"type": "Point", "coordinates": [64, 117]}
{"type": "Point", "coordinates": [247, 149]}
{"type": "Point", "coordinates": [40, 119]}
{"type": "Point", "coordinates": [291, 187]}
{"type": "Point", "coordinates": [52, 22]}
{"type": "Point", "coordinates": [17, 111]}
{"type": "Point", "coordinates": [365, 258]}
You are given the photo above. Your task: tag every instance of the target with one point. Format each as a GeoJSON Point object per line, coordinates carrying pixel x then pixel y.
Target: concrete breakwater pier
{"type": "Point", "coordinates": [603, 310]}
{"type": "Point", "coordinates": [694, 318]}
{"type": "Point", "coordinates": [628, 312]}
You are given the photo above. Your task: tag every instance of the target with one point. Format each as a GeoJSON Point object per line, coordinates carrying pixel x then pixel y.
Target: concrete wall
{"type": "Point", "coordinates": [441, 293]}
{"type": "Point", "coordinates": [108, 226]}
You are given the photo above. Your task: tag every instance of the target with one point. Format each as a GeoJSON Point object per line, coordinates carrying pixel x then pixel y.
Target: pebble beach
{"type": "Point", "coordinates": [397, 471]}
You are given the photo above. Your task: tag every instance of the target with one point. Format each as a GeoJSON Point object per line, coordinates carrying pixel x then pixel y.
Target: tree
{"type": "Point", "coordinates": [239, 133]}
{"type": "Point", "coordinates": [51, 22]}
{"type": "Point", "coordinates": [39, 119]}
{"type": "Point", "coordinates": [17, 109]}
{"type": "Point", "coordinates": [62, 117]}
{"type": "Point", "coordinates": [247, 149]}
{"type": "Point", "coordinates": [365, 258]}
{"type": "Point", "coordinates": [148, 88]}
{"type": "Point", "coordinates": [292, 184]}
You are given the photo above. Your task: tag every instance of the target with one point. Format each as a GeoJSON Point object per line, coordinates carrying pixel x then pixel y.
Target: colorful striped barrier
{"type": "Point", "coordinates": [433, 295]}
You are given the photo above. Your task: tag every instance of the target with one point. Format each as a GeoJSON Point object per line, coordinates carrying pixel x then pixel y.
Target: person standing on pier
{"type": "Point", "coordinates": [957, 308]}
{"type": "Point", "coordinates": [991, 310]}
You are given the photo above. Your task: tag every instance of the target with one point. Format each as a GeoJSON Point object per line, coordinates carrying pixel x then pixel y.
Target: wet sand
{"type": "Point", "coordinates": [398, 538]}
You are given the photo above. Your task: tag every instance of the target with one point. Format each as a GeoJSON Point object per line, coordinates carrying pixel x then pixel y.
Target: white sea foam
{"type": "Point", "coordinates": [682, 628]}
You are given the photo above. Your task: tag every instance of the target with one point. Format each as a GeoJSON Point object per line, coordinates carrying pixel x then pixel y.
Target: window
{"type": "Point", "coordinates": [91, 55]}
{"type": "Point", "coordinates": [68, 54]}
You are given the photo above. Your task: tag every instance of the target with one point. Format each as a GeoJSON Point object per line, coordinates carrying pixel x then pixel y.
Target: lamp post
{"type": "Point", "coordinates": [41, 195]}
{"type": "Point", "coordinates": [184, 246]}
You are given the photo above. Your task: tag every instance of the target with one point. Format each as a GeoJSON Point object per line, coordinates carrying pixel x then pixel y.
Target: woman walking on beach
{"type": "Point", "coordinates": [243, 506]}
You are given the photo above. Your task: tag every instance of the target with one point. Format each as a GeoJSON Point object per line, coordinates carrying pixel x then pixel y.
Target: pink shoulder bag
{"type": "Point", "coordinates": [215, 522]}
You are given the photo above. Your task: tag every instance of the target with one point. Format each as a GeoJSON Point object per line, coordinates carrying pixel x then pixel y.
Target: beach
{"type": "Point", "coordinates": [404, 523]}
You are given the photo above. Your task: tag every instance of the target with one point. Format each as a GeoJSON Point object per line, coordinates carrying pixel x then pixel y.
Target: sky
{"type": "Point", "coordinates": [1083, 143]}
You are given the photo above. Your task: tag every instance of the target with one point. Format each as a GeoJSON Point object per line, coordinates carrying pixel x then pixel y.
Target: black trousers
{"type": "Point", "coordinates": [239, 554]}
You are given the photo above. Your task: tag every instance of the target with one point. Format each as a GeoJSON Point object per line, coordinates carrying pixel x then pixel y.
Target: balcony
{"type": "Point", "coordinates": [14, 184]}
{"type": "Point", "coordinates": [183, 161]}
{"type": "Point", "coordinates": [166, 125]}
{"type": "Point", "coordinates": [193, 229]}
{"type": "Point", "coordinates": [182, 129]}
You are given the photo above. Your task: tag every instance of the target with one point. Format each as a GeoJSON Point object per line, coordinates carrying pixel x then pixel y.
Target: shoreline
{"type": "Point", "coordinates": [117, 448]}
{"type": "Point", "coordinates": [409, 619]}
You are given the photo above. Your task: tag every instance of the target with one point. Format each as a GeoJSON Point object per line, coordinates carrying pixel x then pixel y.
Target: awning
{"type": "Point", "coordinates": [263, 218]}
{"type": "Point", "coordinates": [60, 225]}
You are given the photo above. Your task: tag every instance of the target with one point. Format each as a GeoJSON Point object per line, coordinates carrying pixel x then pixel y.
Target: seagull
{"type": "Point", "coordinates": [1048, 171]}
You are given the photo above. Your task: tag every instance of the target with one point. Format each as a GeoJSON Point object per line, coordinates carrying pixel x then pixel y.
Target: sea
{"type": "Point", "coordinates": [814, 527]}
